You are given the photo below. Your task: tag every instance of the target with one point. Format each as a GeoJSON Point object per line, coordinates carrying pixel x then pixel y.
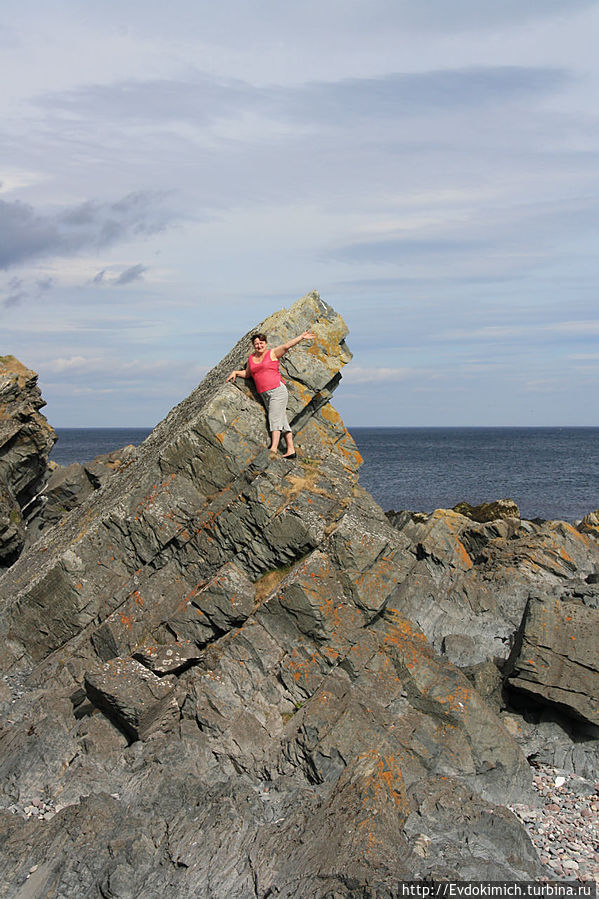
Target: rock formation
{"type": "Point", "coordinates": [26, 439]}
{"type": "Point", "coordinates": [67, 486]}
{"type": "Point", "coordinates": [230, 675]}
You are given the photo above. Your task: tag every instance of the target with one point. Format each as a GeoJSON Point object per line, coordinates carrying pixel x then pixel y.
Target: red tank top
{"type": "Point", "coordinates": [266, 373]}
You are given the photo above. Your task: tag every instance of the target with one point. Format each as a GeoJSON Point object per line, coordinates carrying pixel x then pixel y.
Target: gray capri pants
{"type": "Point", "coordinates": [275, 401]}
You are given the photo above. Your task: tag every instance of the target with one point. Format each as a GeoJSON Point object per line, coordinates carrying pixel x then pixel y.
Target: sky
{"type": "Point", "coordinates": [170, 175]}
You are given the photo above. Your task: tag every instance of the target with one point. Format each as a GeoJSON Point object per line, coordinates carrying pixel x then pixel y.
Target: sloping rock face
{"type": "Point", "coordinates": [26, 439]}
{"type": "Point", "coordinates": [307, 739]}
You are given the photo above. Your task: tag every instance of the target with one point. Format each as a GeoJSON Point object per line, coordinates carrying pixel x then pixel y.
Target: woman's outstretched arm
{"type": "Point", "coordinates": [279, 351]}
{"type": "Point", "coordinates": [241, 373]}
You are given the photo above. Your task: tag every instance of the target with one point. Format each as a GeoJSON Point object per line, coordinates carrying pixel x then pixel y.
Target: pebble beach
{"type": "Point", "coordinates": [564, 825]}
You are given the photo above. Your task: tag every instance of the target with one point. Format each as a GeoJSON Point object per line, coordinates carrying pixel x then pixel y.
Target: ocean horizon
{"type": "Point", "coordinates": [550, 472]}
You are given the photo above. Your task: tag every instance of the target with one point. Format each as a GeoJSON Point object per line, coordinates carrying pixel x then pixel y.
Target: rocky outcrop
{"type": "Point", "coordinates": [26, 439]}
{"type": "Point", "coordinates": [471, 581]}
{"type": "Point", "coordinates": [225, 673]}
{"type": "Point", "coordinates": [67, 486]}
{"type": "Point", "coordinates": [494, 511]}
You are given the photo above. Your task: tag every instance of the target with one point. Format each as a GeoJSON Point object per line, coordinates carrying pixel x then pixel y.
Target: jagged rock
{"type": "Point", "coordinates": [68, 486]}
{"type": "Point", "coordinates": [12, 526]}
{"type": "Point", "coordinates": [556, 659]}
{"type": "Point", "coordinates": [319, 731]}
{"type": "Point", "coordinates": [26, 439]}
{"type": "Point", "coordinates": [133, 697]}
{"type": "Point", "coordinates": [470, 582]}
{"type": "Point", "coordinates": [590, 524]}
{"type": "Point", "coordinates": [171, 658]}
{"type": "Point", "coordinates": [498, 509]}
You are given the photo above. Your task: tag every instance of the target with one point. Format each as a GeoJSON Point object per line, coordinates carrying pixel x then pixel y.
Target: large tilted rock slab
{"type": "Point", "coordinates": [311, 731]}
{"type": "Point", "coordinates": [101, 556]}
{"type": "Point", "coordinates": [26, 439]}
{"type": "Point", "coordinates": [556, 660]}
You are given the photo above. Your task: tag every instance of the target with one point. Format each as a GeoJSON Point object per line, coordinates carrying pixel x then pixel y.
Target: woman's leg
{"type": "Point", "coordinates": [275, 436]}
{"type": "Point", "coordinates": [290, 451]}
{"type": "Point", "coordinates": [276, 402]}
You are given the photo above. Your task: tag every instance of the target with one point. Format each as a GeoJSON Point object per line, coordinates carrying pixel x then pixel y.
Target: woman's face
{"type": "Point", "coordinates": [259, 345]}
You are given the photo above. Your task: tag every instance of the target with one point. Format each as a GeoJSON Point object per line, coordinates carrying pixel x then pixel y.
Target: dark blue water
{"type": "Point", "coordinates": [549, 472]}
{"type": "Point", "coordinates": [83, 444]}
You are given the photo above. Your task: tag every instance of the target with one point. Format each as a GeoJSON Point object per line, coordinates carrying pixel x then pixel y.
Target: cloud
{"type": "Point", "coordinates": [525, 331]}
{"type": "Point", "coordinates": [489, 240]}
{"type": "Point", "coordinates": [26, 234]}
{"type": "Point", "coordinates": [204, 100]}
{"type": "Point", "coordinates": [469, 15]}
{"type": "Point", "coordinates": [362, 375]}
{"type": "Point", "coordinates": [17, 290]}
{"type": "Point", "coordinates": [135, 273]}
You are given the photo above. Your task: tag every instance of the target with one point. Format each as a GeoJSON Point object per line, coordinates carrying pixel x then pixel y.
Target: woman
{"type": "Point", "coordinates": [263, 367]}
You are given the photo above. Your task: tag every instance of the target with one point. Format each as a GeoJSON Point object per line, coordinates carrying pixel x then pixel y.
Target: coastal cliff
{"type": "Point", "coordinates": [26, 439]}
{"type": "Point", "coordinates": [232, 675]}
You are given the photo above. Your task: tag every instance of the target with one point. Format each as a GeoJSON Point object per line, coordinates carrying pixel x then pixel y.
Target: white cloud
{"type": "Point", "coordinates": [355, 374]}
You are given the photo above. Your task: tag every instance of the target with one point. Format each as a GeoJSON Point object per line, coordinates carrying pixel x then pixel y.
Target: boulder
{"type": "Point", "coordinates": [590, 524]}
{"type": "Point", "coordinates": [133, 697]}
{"type": "Point", "coordinates": [26, 438]}
{"type": "Point", "coordinates": [555, 659]}
{"type": "Point", "coordinates": [493, 511]}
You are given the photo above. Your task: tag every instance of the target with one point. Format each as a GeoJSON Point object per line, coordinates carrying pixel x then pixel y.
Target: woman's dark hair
{"type": "Point", "coordinates": [260, 337]}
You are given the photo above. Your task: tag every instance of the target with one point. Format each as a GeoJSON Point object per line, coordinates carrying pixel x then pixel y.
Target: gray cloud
{"type": "Point", "coordinates": [203, 100]}
{"type": "Point", "coordinates": [17, 290]}
{"type": "Point", "coordinates": [313, 21]}
{"type": "Point", "coordinates": [520, 232]}
{"type": "Point", "coordinates": [399, 94]}
{"type": "Point", "coordinates": [26, 234]}
{"type": "Point", "coordinates": [135, 273]}
{"type": "Point", "coordinates": [469, 15]}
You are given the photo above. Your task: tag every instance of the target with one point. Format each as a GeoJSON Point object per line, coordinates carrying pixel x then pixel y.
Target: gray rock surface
{"type": "Point", "coordinates": [493, 511]}
{"type": "Point", "coordinates": [470, 581]}
{"type": "Point", "coordinates": [215, 679]}
{"type": "Point", "coordinates": [26, 439]}
{"type": "Point", "coordinates": [68, 486]}
{"type": "Point", "coordinates": [133, 697]}
{"type": "Point", "coordinates": [555, 658]}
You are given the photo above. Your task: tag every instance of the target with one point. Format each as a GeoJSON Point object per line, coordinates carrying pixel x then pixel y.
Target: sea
{"type": "Point", "coordinates": [551, 473]}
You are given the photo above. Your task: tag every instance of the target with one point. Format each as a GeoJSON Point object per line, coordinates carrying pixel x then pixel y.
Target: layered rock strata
{"type": "Point", "coordinates": [26, 439]}
{"type": "Point", "coordinates": [215, 682]}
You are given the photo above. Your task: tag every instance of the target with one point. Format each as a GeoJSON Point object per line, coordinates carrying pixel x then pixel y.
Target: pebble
{"type": "Point", "coordinates": [564, 825]}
